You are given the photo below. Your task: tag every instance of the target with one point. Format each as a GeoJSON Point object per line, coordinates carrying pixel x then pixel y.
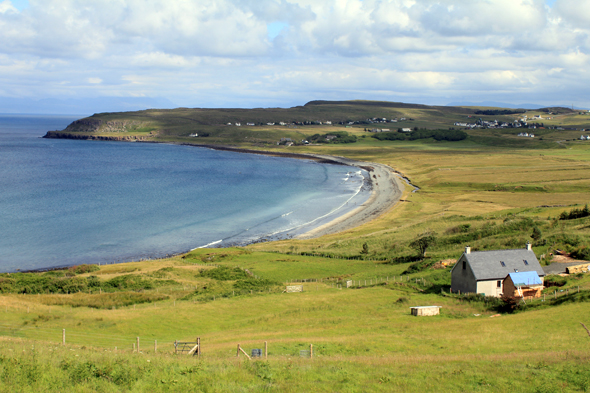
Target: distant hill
{"type": "Point", "coordinates": [496, 104]}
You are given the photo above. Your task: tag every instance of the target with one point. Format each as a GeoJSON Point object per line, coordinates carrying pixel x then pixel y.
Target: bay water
{"type": "Point", "coordinates": [68, 202]}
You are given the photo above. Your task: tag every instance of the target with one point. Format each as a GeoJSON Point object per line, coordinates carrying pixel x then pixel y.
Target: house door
{"type": "Point", "coordinates": [498, 288]}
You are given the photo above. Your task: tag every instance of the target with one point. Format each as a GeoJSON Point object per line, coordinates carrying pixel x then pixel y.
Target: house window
{"type": "Point", "coordinates": [499, 284]}
{"type": "Point", "coordinates": [502, 263]}
{"type": "Point", "coordinates": [464, 265]}
{"type": "Point", "coordinates": [526, 262]}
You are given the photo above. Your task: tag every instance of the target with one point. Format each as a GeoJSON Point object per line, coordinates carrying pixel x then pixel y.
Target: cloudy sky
{"type": "Point", "coordinates": [268, 53]}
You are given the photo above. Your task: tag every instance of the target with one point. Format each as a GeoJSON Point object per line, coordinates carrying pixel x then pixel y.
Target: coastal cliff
{"type": "Point", "coordinates": [100, 125]}
{"type": "Point", "coordinates": [120, 138]}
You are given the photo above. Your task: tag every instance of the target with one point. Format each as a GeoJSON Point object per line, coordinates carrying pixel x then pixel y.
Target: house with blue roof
{"type": "Point", "coordinates": [485, 272]}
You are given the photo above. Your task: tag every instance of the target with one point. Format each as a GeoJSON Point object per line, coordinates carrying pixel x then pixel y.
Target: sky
{"type": "Point", "coordinates": [282, 53]}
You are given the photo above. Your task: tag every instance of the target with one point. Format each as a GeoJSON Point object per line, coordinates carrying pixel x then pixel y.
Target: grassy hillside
{"type": "Point", "coordinates": [364, 338]}
{"type": "Point", "coordinates": [492, 190]}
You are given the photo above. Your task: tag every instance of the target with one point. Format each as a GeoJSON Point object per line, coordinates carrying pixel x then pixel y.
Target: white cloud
{"type": "Point", "coordinates": [6, 7]}
{"type": "Point", "coordinates": [219, 52]}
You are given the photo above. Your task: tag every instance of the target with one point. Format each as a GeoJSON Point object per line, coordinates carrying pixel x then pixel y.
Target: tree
{"type": "Point", "coordinates": [423, 241]}
{"type": "Point", "coordinates": [365, 249]}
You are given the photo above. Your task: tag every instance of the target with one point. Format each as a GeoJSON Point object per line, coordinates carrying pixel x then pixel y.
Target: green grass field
{"type": "Point", "coordinates": [490, 191]}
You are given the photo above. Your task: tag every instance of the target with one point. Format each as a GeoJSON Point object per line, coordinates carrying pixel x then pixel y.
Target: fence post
{"type": "Point", "coordinates": [310, 351]}
{"type": "Point", "coordinates": [198, 346]}
{"type": "Point", "coordinates": [238, 351]}
{"type": "Point", "coordinates": [265, 350]}
{"type": "Point", "coordinates": [63, 337]}
{"type": "Point", "coordinates": [175, 346]}
{"type": "Point", "coordinates": [137, 338]}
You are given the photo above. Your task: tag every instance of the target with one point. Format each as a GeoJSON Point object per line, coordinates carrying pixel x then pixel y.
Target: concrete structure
{"type": "Point", "coordinates": [425, 311]}
{"type": "Point", "coordinates": [583, 268]}
{"type": "Point", "coordinates": [525, 285]}
{"type": "Point", "coordinates": [294, 288]}
{"type": "Point", "coordinates": [484, 271]}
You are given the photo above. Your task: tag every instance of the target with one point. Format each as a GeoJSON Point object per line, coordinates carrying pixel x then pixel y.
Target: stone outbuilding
{"type": "Point", "coordinates": [484, 271]}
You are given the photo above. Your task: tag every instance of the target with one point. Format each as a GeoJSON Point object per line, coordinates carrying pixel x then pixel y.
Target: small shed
{"type": "Point", "coordinates": [425, 311]}
{"type": "Point", "coordinates": [523, 285]}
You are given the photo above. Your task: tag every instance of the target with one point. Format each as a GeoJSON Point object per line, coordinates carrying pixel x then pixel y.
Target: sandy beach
{"type": "Point", "coordinates": [386, 191]}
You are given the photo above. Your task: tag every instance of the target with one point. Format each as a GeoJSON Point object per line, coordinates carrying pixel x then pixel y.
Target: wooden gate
{"type": "Point", "coordinates": [188, 347]}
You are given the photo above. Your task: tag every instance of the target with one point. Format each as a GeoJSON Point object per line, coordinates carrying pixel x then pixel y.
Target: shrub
{"type": "Point", "coordinates": [419, 266]}
{"type": "Point", "coordinates": [575, 213]}
{"type": "Point", "coordinates": [224, 273]}
{"type": "Point", "coordinates": [555, 281]}
{"type": "Point", "coordinates": [254, 284]}
{"type": "Point", "coordinates": [81, 269]}
{"type": "Point", "coordinates": [581, 253]}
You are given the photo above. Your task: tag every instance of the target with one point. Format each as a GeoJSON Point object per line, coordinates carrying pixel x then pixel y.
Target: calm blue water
{"type": "Point", "coordinates": [65, 202]}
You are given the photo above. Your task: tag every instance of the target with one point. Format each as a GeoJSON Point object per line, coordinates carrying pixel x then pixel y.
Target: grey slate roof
{"type": "Point", "coordinates": [486, 265]}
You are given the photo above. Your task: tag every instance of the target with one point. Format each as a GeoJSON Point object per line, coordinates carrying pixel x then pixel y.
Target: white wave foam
{"type": "Point", "coordinates": [207, 245]}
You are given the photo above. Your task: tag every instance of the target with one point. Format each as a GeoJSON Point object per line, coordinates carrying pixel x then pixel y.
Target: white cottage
{"type": "Point", "coordinates": [484, 271]}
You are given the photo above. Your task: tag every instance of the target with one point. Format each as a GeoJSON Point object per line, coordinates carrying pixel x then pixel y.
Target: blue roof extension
{"type": "Point", "coordinates": [521, 279]}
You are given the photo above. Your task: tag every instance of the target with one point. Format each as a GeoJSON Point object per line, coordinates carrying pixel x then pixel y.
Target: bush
{"type": "Point", "coordinates": [581, 253]}
{"type": "Point", "coordinates": [575, 213]}
{"type": "Point", "coordinates": [419, 266]}
{"type": "Point", "coordinates": [224, 273]}
{"type": "Point", "coordinates": [389, 136]}
{"type": "Point", "coordinates": [81, 269]}
{"type": "Point", "coordinates": [255, 284]}
{"type": "Point", "coordinates": [555, 281]}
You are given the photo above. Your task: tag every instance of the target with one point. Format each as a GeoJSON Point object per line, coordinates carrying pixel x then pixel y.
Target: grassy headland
{"type": "Point", "coordinates": [492, 190]}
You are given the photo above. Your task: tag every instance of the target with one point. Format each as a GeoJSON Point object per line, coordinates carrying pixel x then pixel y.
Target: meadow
{"type": "Point", "coordinates": [492, 190]}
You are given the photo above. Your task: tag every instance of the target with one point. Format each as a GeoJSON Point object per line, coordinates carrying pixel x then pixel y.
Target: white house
{"type": "Point", "coordinates": [484, 271]}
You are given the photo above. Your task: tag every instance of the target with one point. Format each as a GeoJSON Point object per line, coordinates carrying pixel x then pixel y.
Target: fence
{"type": "Point", "coordinates": [190, 348]}
{"type": "Point", "coordinates": [337, 283]}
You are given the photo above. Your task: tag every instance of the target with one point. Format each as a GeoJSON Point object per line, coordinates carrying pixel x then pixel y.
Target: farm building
{"type": "Point", "coordinates": [484, 271]}
{"type": "Point", "coordinates": [525, 285]}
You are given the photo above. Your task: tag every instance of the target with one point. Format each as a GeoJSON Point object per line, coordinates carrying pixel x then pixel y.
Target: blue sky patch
{"type": "Point", "coordinates": [20, 4]}
{"type": "Point", "coordinates": [275, 28]}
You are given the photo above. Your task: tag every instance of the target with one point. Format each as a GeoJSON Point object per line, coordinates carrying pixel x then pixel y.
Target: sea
{"type": "Point", "coordinates": [69, 202]}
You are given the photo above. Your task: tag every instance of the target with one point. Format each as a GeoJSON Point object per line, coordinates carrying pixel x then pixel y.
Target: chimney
{"type": "Point", "coordinates": [529, 247]}
{"type": "Point", "coordinates": [467, 250]}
